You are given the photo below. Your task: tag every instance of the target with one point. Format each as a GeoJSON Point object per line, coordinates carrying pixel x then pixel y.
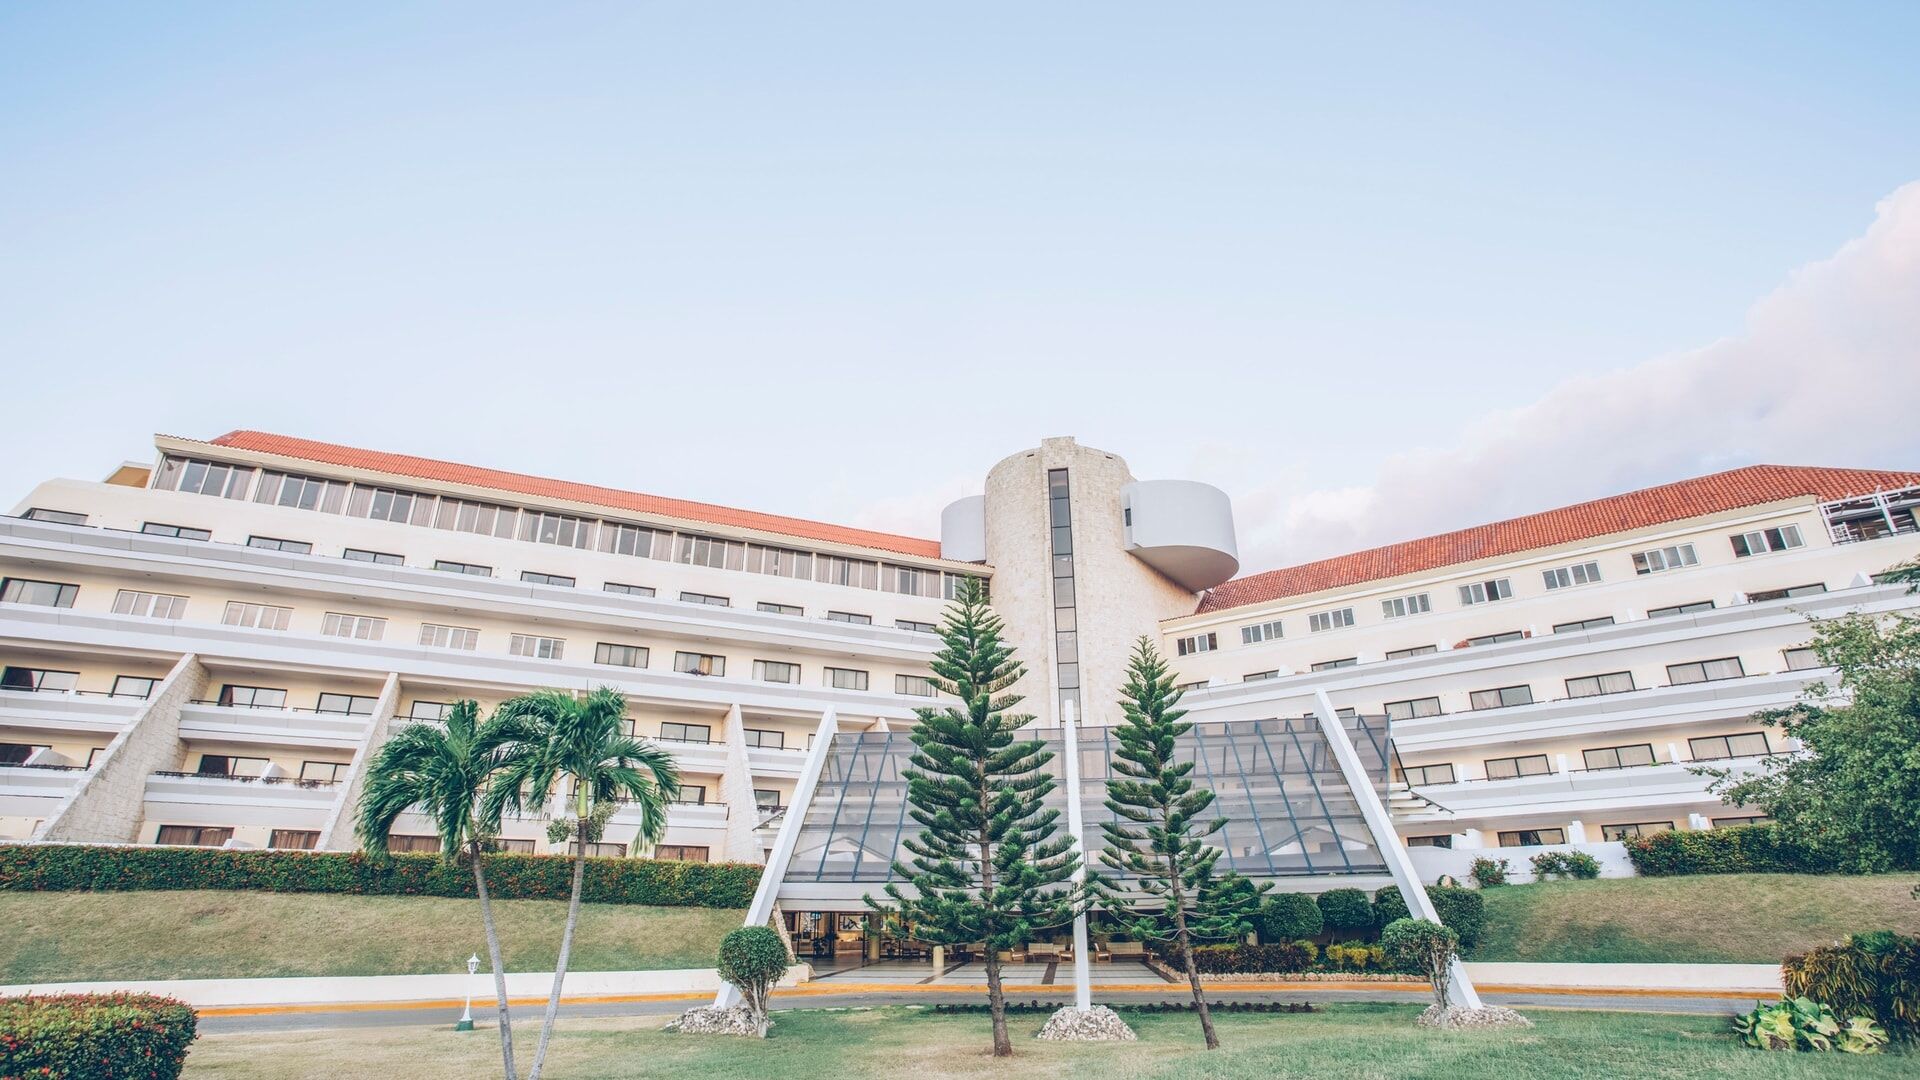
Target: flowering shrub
{"type": "Point", "coordinates": [108, 1036]}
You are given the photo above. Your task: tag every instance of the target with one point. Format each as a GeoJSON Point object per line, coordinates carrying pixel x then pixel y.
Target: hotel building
{"type": "Point", "coordinates": [207, 647]}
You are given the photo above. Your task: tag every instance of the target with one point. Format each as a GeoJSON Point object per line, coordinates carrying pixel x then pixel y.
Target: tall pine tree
{"type": "Point", "coordinates": [986, 868]}
{"type": "Point", "coordinates": [1166, 889]}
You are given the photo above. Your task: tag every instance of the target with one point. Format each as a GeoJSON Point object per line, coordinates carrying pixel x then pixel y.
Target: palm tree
{"type": "Point", "coordinates": [443, 771]}
{"type": "Point", "coordinates": [551, 734]}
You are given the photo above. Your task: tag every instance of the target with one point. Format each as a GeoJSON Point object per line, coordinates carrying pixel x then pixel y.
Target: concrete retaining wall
{"type": "Point", "coordinates": [1761, 979]}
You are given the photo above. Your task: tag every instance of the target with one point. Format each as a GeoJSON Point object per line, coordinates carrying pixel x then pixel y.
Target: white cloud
{"type": "Point", "coordinates": [1825, 372]}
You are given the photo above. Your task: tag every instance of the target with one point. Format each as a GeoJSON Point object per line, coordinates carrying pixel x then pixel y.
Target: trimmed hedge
{"type": "Point", "coordinates": [1389, 907]}
{"type": "Point", "coordinates": [1738, 849]}
{"type": "Point", "coordinates": [108, 1036]}
{"type": "Point", "coordinates": [1462, 910]}
{"type": "Point", "coordinates": [1249, 959]}
{"type": "Point", "coordinates": [76, 868]}
{"type": "Point", "coordinates": [1287, 917]}
{"type": "Point", "coordinates": [1346, 909]}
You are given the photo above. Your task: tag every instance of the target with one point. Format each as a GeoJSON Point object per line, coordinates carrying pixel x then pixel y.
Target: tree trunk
{"type": "Point", "coordinates": [1193, 980]}
{"type": "Point", "coordinates": [499, 970]}
{"type": "Point", "coordinates": [997, 1002]}
{"type": "Point", "coordinates": [566, 947]}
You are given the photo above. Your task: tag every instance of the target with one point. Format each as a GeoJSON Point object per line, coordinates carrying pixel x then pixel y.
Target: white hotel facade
{"type": "Point", "coordinates": [205, 648]}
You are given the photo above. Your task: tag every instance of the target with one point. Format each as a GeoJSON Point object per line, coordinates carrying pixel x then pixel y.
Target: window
{"type": "Point", "coordinates": [429, 710]}
{"type": "Point", "coordinates": [534, 577]}
{"type": "Point", "coordinates": [1329, 665]}
{"type": "Point", "coordinates": [1330, 620]}
{"type": "Point", "coordinates": [1429, 841]}
{"type": "Point", "coordinates": [1614, 682]}
{"type": "Point", "coordinates": [1509, 768]}
{"type": "Point", "coordinates": [464, 638]}
{"type": "Point", "coordinates": [1419, 775]}
{"type": "Point", "coordinates": [1566, 577]}
{"type": "Point", "coordinates": [324, 772]}
{"type": "Point", "coordinates": [257, 616]}
{"type": "Point", "coordinates": [1485, 592]}
{"type": "Point", "coordinates": [1198, 643]}
{"type": "Point", "coordinates": [421, 844]}
{"type": "Point", "coordinates": [346, 704]}
{"type": "Point", "coordinates": [779, 562]}
{"type": "Point", "coordinates": [634, 656]}
{"type": "Point", "coordinates": [203, 478]}
{"type": "Point", "coordinates": [779, 609]}
{"type": "Point", "coordinates": [1259, 632]}
{"type": "Point", "coordinates": [58, 517]}
{"type": "Point", "coordinates": [705, 598]}
{"type": "Point", "coordinates": [300, 492]}
{"type": "Point", "coordinates": [1533, 837]}
{"type": "Point", "coordinates": [271, 543]}
{"type": "Point", "coordinates": [692, 663]}
{"type": "Point", "coordinates": [1761, 541]}
{"type": "Point", "coordinates": [1705, 671]}
{"type": "Point", "coordinates": [913, 685]}
{"type": "Point", "coordinates": [384, 558]}
{"type": "Point", "coordinates": [227, 765]}
{"type": "Point", "coordinates": [134, 686]}
{"type": "Point", "coordinates": [1582, 624]}
{"type": "Point", "coordinates": [149, 605]}
{"type": "Point", "coordinates": [451, 567]}
{"type": "Point", "coordinates": [1496, 639]}
{"type": "Point", "coordinates": [564, 530]}
{"type": "Point", "coordinates": [1715, 747]}
{"type": "Point", "coordinates": [1417, 650]}
{"type": "Point", "coordinates": [766, 739]}
{"type": "Point", "coordinates": [714, 552]}
{"type": "Point", "coordinates": [1618, 757]}
{"type": "Point", "coordinates": [1413, 708]}
{"type": "Point", "coordinates": [775, 671]}
{"type": "Point", "coordinates": [627, 590]}
{"type": "Point", "coordinates": [1402, 606]}
{"type": "Point", "coordinates": [915, 626]}
{"type": "Point", "coordinates": [193, 835]}
{"type": "Point", "coordinates": [358, 627]}
{"type": "Point", "coordinates": [51, 682]}
{"type": "Point", "coordinates": [1635, 829]}
{"type": "Point", "coordinates": [13, 753]}
{"type": "Point", "coordinates": [383, 504]}
{"type": "Point", "coordinates": [1501, 697]}
{"type": "Point", "coordinates": [1801, 659]}
{"type": "Point", "coordinates": [633, 540]}
{"type": "Point", "coordinates": [514, 847]}
{"type": "Point", "coordinates": [846, 678]}
{"type": "Point", "coordinates": [766, 798]}
{"type": "Point", "coordinates": [253, 697]}
{"type": "Point", "coordinates": [681, 852]}
{"type": "Point", "coordinates": [1261, 676]}
{"type": "Point", "coordinates": [1680, 609]}
{"type": "Point", "coordinates": [671, 731]}
{"type": "Point", "coordinates": [293, 839]}
{"type": "Point", "coordinates": [910, 581]}
{"type": "Point", "coordinates": [1764, 595]}
{"type": "Point", "coordinates": [183, 532]}
{"type": "Point", "coordinates": [540, 648]}
{"type": "Point", "coordinates": [1197, 684]}
{"type": "Point", "coordinates": [39, 593]}
{"type": "Point", "coordinates": [849, 617]}
{"type": "Point", "coordinates": [1752, 819]}
{"type": "Point", "coordinates": [1654, 560]}
{"type": "Point", "coordinates": [834, 570]}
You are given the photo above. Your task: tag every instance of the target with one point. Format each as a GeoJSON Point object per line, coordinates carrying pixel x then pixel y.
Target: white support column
{"type": "Point", "coordinates": [1576, 831]}
{"type": "Point", "coordinates": [768, 892]}
{"type": "Point", "coordinates": [338, 832]}
{"type": "Point", "coordinates": [1082, 970]}
{"type": "Point", "coordinates": [1392, 851]}
{"type": "Point", "coordinates": [736, 790]}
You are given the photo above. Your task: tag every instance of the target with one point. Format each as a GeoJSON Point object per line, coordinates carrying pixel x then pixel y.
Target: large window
{"type": "Point", "coordinates": [1759, 596]}
{"type": "Point", "coordinates": [765, 738]}
{"type": "Point", "coordinates": [346, 704]}
{"type": "Point", "coordinates": [681, 852]}
{"type": "Point", "coordinates": [1485, 592]}
{"type": "Point", "coordinates": [673, 731]}
{"type": "Point", "coordinates": [1413, 708]}
{"type": "Point", "coordinates": [633, 656]}
{"type": "Point", "coordinates": [1419, 775]}
{"type": "Point", "coordinates": [40, 679]}
{"type": "Point", "coordinates": [1510, 768]}
{"type": "Point", "coordinates": [1634, 829]}
{"type": "Point", "coordinates": [400, 844]}
{"type": "Point", "coordinates": [692, 663]}
{"type": "Point", "coordinates": [705, 598]}
{"type": "Point", "coordinates": [1761, 541]}
{"type": "Point", "coordinates": [253, 697]}
{"type": "Point", "coordinates": [846, 678]}
{"type": "Point", "coordinates": [1417, 650]}
{"type": "Point", "coordinates": [540, 648]}
{"type": "Point", "coordinates": [1259, 632]}
{"type": "Point", "coordinates": [194, 835]}
{"type": "Point", "coordinates": [202, 478]}
{"type": "Point", "coordinates": [464, 638]}
{"type": "Point", "coordinates": [1583, 624]}
{"type": "Point", "coordinates": [850, 617]}
{"type": "Point", "coordinates": [134, 686]}
{"type": "Point", "coordinates": [38, 593]}
{"type": "Point", "coordinates": [149, 605]}
{"type": "Point", "coordinates": [301, 492]}
{"type": "Point", "coordinates": [230, 765]}
{"type": "Point", "coordinates": [1716, 747]}
{"type": "Point", "coordinates": [1260, 676]}
{"type": "Point", "coordinates": [293, 839]}
{"type": "Point", "coordinates": [1566, 577]}
{"type": "Point", "coordinates": [775, 671]}
{"type": "Point", "coordinates": [910, 581]}
{"type": "Point", "coordinates": [1497, 639]}
{"type": "Point", "coordinates": [178, 532]}
{"type": "Point", "coordinates": [1613, 682]}
{"type": "Point", "coordinates": [470, 569]}
{"type": "Point", "coordinates": [1655, 560]}
{"type": "Point", "coordinates": [771, 608]}
{"type": "Point", "coordinates": [857, 573]}
{"type": "Point", "coordinates": [274, 543]}
{"type": "Point", "coordinates": [1198, 643]}
{"type": "Point", "coordinates": [619, 539]}
{"type": "Point", "coordinates": [535, 577]}
{"type": "Point", "coordinates": [627, 590]}
{"type": "Point", "coordinates": [916, 626]}
{"type": "Point", "coordinates": [257, 616]}
{"type": "Point", "coordinates": [545, 528]}
{"type": "Point", "coordinates": [1330, 620]}
{"type": "Point", "coordinates": [1533, 837]}
{"type": "Point", "coordinates": [779, 562]}
{"type": "Point", "coordinates": [1402, 606]}
{"type": "Point", "coordinates": [1618, 757]}
{"type": "Point", "coordinates": [1705, 671]}
{"type": "Point", "coordinates": [383, 558]}
{"type": "Point", "coordinates": [58, 517]}
{"type": "Point", "coordinates": [358, 627]}
{"type": "Point", "coordinates": [711, 551]}
{"type": "Point", "coordinates": [1329, 665]}
{"type": "Point", "coordinates": [482, 519]}
{"type": "Point", "coordinates": [429, 710]}
{"type": "Point", "coordinates": [1801, 659]}
{"type": "Point", "coordinates": [913, 685]}
{"type": "Point", "coordinates": [1501, 697]}
{"type": "Point", "coordinates": [1691, 608]}
{"type": "Point", "coordinates": [324, 772]}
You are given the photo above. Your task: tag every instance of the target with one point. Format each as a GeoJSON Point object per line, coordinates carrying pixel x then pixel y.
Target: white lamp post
{"type": "Point", "coordinates": [466, 1017]}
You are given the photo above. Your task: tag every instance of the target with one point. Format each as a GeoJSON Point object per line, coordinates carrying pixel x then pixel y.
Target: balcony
{"type": "Point", "coordinates": [278, 801]}
{"type": "Point", "coordinates": [272, 727]}
{"type": "Point", "coordinates": [34, 790]}
{"type": "Point", "coordinates": [688, 815]}
{"type": "Point", "coordinates": [1631, 789]}
{"type": "Point", "coordinates": [67, 710]}
{"type": "Point", "coordinates": [784, 761]}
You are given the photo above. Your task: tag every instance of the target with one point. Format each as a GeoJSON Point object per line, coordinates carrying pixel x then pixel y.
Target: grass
{"type": "Point", "coordinates": [73, 937]}
{"type": "Point", "coordinates": [1713, 918]}
{"type": "Point", "coordinates": [1371, 1041]}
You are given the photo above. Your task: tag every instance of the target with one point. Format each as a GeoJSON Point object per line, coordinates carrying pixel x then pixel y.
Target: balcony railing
{"type": "Point", "coordinates": [44, 768]}
{"type": "Point", "coordinates": [312, 710]}
{"type": "Point", "coordinates": [289, 781]}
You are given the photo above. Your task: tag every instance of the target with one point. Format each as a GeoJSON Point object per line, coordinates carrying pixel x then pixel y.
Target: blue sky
{"type": "Point", "coordinates": [835, 260]}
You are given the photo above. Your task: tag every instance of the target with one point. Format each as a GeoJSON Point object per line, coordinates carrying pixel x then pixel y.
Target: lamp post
{"type": "Point", "coordinates": [466, 1017]}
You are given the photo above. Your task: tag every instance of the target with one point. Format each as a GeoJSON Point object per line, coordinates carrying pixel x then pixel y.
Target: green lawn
{"type": "Point", "coordinates": [1709, 918]}
{"type": "Point", "coordinates": [70, 937]}
{"type": "Point", "coordinates": [1373, 1041]}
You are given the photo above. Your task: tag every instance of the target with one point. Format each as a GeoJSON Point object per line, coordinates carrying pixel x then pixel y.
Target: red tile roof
{"type": "Point", "coordinates": [1754, 485]}
{"type": "Point", "coordinates": [540, 487]}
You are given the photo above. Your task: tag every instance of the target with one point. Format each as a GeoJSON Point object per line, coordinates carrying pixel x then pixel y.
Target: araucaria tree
{"type": "Point", "coordinates": [986, 869]}
{"type": "Point", "coordinates": [443, 770]}
{"type": "Point", "coordinates": [552, 737]}
{"type": "Point", "coordinates": [1163, 885]}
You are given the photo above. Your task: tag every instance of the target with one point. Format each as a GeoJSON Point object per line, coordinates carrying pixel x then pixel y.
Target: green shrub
{"type": "Point", "coordinates": [1287, 956]}
{"type": "Point", "coordinates": [1424, 947]}
{"type": "Point", "coordinates": [80, 868]}
{"type": "Point", "coordinates": [1489, 872]}
{"type": "Point", "coordinates": [1875, 974]}
{"type": "Point", "coordinates": [1568, 864]}
{"type": "Point", "coordinates": [1803, 1024]}
{"type": "Point", "coordinates": [1389, 905]}
{"type": "Point", "coordinates": [1288, 917]}
{"type": "Point", "coordinates": [1346, 909]}
{"type": "Point", "coordinates": [1739, 849]}
{"type": "Point", "coordinates": [1462, 910]}
{"type": "Point", "coordinates": [753, 958]}
{"type": "Point", "coordinates": [116, 1036]}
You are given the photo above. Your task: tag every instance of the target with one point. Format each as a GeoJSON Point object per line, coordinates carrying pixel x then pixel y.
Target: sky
{"type": "Point", "coordinates": [1376, 270]}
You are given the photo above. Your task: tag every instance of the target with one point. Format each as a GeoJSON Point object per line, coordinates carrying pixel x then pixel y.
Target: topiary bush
{"type": "Point", "coordinates": [1425, 947]}
{"type": "Point", "coordinates": [1288, 917]}
{"type": "Point", "coordinates": [1875, 974]}
{"type": "Point", "coordinates": [110, 1036]}
{"type": "Point", "coordinates": [1346, 909]}
{"type": "Point", "coordinates": [1738, 849]}
{"type": "Point", "coordinates": [1461, 909]}
{"type": "Point", "coordinates": [1389, 905]}
{"type": "Point", "coordinates": [753, 958]}
{"type": "Point", "coordinates": [1577, 865]}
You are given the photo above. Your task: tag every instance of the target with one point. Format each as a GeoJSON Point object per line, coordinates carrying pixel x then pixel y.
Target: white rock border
{"type": "Point", "coordinates": [1096, 1024]}
{"type": "Point", "coordinates": [707, 1020]}
{"type": "Point", "coordinates": [1459, 1018]}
